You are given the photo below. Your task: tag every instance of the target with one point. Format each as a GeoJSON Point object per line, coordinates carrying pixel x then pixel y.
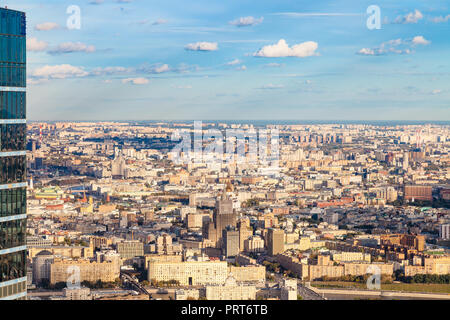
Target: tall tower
{"type": "Point", "coordinates": [223, 217]}
{"type": "Point", "coordinates": [13, 212]}
{"type": "Point", "coordinates": [275, 241]}
{"type": "Point", "coordinates": [405, 164]}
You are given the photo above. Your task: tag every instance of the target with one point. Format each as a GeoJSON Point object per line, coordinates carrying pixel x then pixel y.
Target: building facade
{"type": "Point", "coordinates": [444, 232]}
{"type": "Point", "coordinates": [61, 270]}
{"type": "Point", "coordinates": [189, 273]}
{"type": "Point", "coordinates": [13, 276]}
{"type": "Point", "coordinates": [275, 241]}
{"type": "Point", "coordinates": [230, 290]}
{"type": "Point", "coordinates": [230, 242]}
{"type": "Point", "coordinates": [130, 249]}
{"type": "Point", "coordinates": [418, 193]}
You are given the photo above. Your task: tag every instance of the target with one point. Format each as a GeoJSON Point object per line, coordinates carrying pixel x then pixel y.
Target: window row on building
{"type": "Point", "coordinates": [12, 169]}
{"type": "Point", "coordinates": [12, 266]}
{"type": "Point", "coordinates": [12, 104]}
{"type": "Point", "coordinates": [13, 202]}
{"type": "Point", "coordinates": [13, 49]}
{"type": "Point", "coordinates": [13, 289]}
{"type": "Point", "coordinates": [12, 74]}
{"type": "Point", "coordinates": [12, 23]}
{"type": "Point", "coordinates": [12, 234]}
{"type": "Point", "coordinates": [13, 137]}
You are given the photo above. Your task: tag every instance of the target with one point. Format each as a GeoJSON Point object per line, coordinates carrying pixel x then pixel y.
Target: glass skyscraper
{"type": "Point", "coordinates": [13, 275]}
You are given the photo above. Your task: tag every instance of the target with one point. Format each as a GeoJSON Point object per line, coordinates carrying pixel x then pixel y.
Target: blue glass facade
{"type": "Point", "coordinates": [12, 154]}
{"type": "Point", "coordinates": [13, 48]}
{"type": "Point", "coordinates": [13, 105]}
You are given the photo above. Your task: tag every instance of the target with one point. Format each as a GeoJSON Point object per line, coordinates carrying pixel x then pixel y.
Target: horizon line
{"type": "Point", "coordinates": [239, 120]}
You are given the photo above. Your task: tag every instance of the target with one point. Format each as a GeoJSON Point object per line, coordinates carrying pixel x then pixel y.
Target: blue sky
{"type": "Point", "coordinates": [236, 60]}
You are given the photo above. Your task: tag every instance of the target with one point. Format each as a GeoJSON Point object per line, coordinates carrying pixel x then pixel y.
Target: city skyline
{"type": "Point", "coordinates": [237, 61]}
{"type": "Point", "coordinates": [282, 191]}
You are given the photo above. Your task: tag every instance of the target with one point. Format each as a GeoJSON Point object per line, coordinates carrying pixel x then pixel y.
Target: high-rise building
{"type": "Point", "coordinates": [405, 164]}
{"type": "Point", "coordinates": [13, 270]}
{"type": "Point", "coordinates": [223, 217]}
{"type": "Point", "coordinates": [275, 241]}
{"type": "Point", "coordinates": [230, 242]}
{"type": "Point", "coordinates": [444, 232]}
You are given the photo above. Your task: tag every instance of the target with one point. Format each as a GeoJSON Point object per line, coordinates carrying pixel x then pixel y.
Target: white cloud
{"type": "Point", "coordinates": [241, 68]}
{"type": "Point", "coordinates": [396, 46]}
{"type": "Point", "coordinates": [234, 62]}
{"type": "Point", "coordinates": [281, 49]}
{"type": "Point", "coordinates": [159, 21]}
{"type": "Point", "coordinates": [162, 68]}
{"type": "Point", "coordinates": [271, 86]}
{"type": "Point", "coordinates": [366, 52]}
{"type": "Point", "coordinates": [62, 71]}
{"type": "Point", "coordinates": [31, 81]}
{"type": "Point", "coordinates": [436, 91]}
{"type": "Point", "coordinates": [35, 45]}
{"type": "Point", "coordinates": [441, 19]}
{"type": "Point", "coordinates": [420, 40]}
{"type": "Point", "coordinates": [46, 26]}
{"type": "Point", "coordinates": [315, 14]}
{"type": "Point", "coordinates": [70, 47]}
{"type": "Point", "coordinates": [183, 87]}
{"type": "Point", "coordinates": [202, 46]}
{"type": "Point", "coordinates": [246, 21]}
{"type": "Point", "coordinates": [412, 17]}
{"type": "Point", "coordinates": [274, 65]}
{"type": "Point", "coordinates": [153, 68]}
{"type": "Point", "coordinates": [111, 71]}
{"type": "Point", "coordinates": [136, 81]}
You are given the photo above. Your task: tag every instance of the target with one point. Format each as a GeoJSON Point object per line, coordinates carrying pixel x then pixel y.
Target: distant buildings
{"type": "Point", "coordinates": [444, 232]}
{"type": "Point", "coordinates": [42, 266]}
{"type": "Point", "coordinates": [289, 289]}
{"type": "Point", "coordinates": [418, 193]}
{"type": "Point", "coordinates": [77, 294]}
{"type": "Point", "coordinates": [275, 241]}
{"type": "Point", "coordinates": [230, 290]}
{"type": "Point", "coordinates": [333, 211]}
{"type": "Point", "coordinates": [324, 267]}
{"type": "Point", "coordinates": [230, 242]}
{"type": "Point", "coordinates": [201, 273]}
{"type": "Point", "coordinates": [89, 270]}
{"type": "Point", "coordinates": [438, 266]}
{"type": "Point", "coordinates": [223, 217]}
{"type": "Point", "coordinates": [189, 273]}
{"type": "Point", "coordinates": [409, 241]}
{"type": "Point", "coordinates": [254, 244]}
{"type": "Point", "coordinates": [130, 249]}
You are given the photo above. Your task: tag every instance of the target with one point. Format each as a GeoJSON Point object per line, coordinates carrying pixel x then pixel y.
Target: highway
{"type": "Point", "coordinates": [131, 282]}
{"type": "Point", "coordinates": [308, 294]}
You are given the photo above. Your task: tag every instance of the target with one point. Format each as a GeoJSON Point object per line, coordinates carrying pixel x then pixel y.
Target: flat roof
{"type": "Point", "coordinates": [8, 9]}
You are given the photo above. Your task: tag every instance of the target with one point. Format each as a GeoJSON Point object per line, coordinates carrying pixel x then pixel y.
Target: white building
{"type": "Point", "coordinates": [231, 290]}
{"type": "Point", "coordinates": [444, 232]}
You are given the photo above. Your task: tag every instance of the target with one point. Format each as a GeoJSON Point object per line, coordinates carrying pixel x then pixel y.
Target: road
{"type": "Point", "coordinates": [308, 294]}
{"type": "Point", "coordinates": [128, 280]}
